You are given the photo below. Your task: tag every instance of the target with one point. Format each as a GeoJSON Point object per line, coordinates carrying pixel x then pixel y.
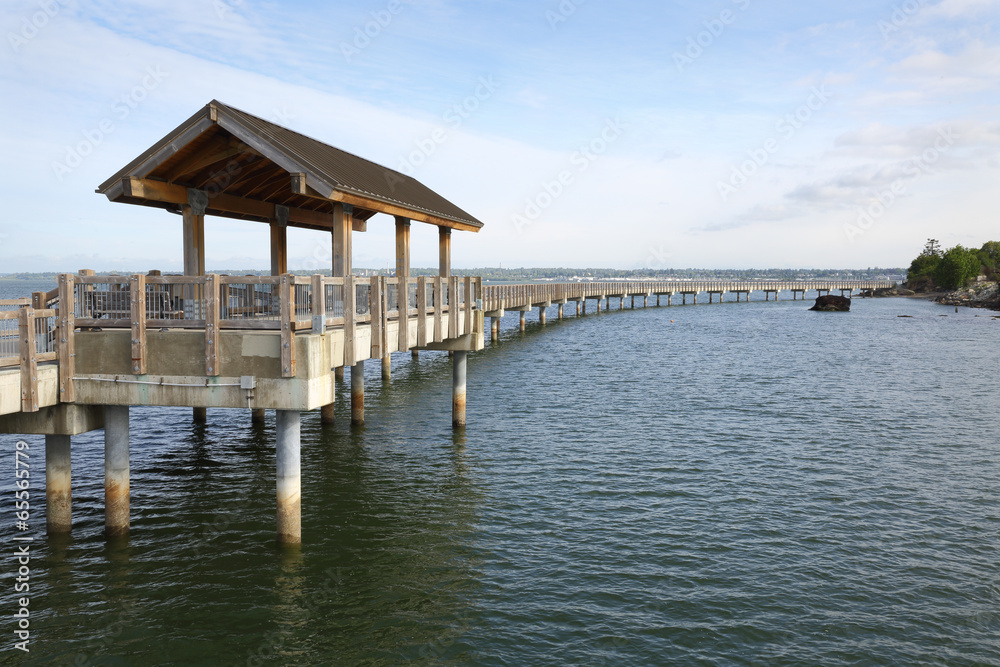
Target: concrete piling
{"type": "Point", "coordinates": [338, 373]}
{"type": "Point", "coordinates": [116, 471]}
{"type": "Point", "coordinates": [326, 415]}
{"type": "Point", "coordinates": [578, 309]}
{"type": "Point", "coordinates": [257, 416]}
{"type": "Point", "coordinates": [522, 320]}
{"type": "Point", "coordinates": [58, 485]}
{"type": "Point", "coordinates": [199, 415]}
{"type": "Point", "coordinates": [494, 328]}
{"type": "Point", "coordinates": [541, 314]}
{"type": "Point", "coordinates": [289, 481]}
{"type": "Point", "coordinates": [560, 311]}
{"type": "Point", "coordinates": [358, 393]}
{"type": "Point", "coordinates": [415, 353]}
{"type": "Point", "coordinates": [459, 364]}
{"type": "Point", "coordinates": [386, 368]}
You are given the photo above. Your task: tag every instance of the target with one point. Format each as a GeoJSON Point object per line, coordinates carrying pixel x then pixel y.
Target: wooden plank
{"type": "Point", "coordinates": [378, 345]}
{"type": "Point", "coordinates": [421, 311]}
{"type": "Point", "coordinates": [138, 301]}
{"type": "Point", "coordinates": [29, 360]}
{"type": "Point", "coordinates": [438, 307]}
{"type": "Point", "coordinates": [372, 204]}
{"type": "Point", "coordinates": [248, 325]}
{"type": "Point", "coordinates": [350, 315]}
{"type": "Point", "coordinates": [67, 346]}
{"type": "Point", "coordinates": [287, 299]}
{"type": "Point", "coordinates": [212, 321]}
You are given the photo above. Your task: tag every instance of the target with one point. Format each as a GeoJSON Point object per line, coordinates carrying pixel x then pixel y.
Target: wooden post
{"type": "Point", "coordinates": [342, 226]}
{"type": "Point", "coordinates": [467, 305]}
{"type": "Point", "coordinates": [67, 325]}
{"type": "Point", "coordinates": [421, 311]}
{"type": "Point", "coordinates": [194, 232]}
{"type": "Point", "coordinates": [279, 241]}
{"type": "Point", "coordinates": [350, 312]}
{"type": "Point", "coordinates": [212, 332]}
{"type": "Point", "coordinates": [29, 359]}
{"type": "Point", "coordinates": [403, 277]}
{"type": "Point", "coordinates": [318, 304]}
{"type": "Point", "coordinates": [286, 292]}
{"type": "Point", "coordinates": [378, 347]}
{"type": "Point", "coordinates": [137, 288]}
{"type": "Point", "coordinates": [444, 251]}
{"type": "Point", "coordinates": [453, 307]}
{"type": "Point", "coordinates": [438, 308]}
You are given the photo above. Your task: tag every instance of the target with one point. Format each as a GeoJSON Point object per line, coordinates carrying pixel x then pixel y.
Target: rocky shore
{"type": "Point", "coordinates": [980, 295]}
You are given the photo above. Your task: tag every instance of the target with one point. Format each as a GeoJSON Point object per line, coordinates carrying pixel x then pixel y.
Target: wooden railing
{"type": "Point", "coordinates": [27, 337]}
{"type": "Point", "coordinates": [499, 297]}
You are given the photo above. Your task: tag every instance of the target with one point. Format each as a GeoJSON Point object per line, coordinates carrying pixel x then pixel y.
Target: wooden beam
{"type": "Point", "coordinates": [286, 297]}
{"type": "Point", "coordinates": [403, 278]}
{"type": "Point", "coordinates": [350, 313]}
{"type": "Point", "coordinates": [261, 211]}
{"type": "Point", "coordinates": [279, 241]}
{"type": "Point", "coordinates": [401, 210]}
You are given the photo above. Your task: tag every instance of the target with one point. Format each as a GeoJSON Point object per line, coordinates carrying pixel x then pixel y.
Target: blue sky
{"type": "Point", "coordinates": [736, 133]}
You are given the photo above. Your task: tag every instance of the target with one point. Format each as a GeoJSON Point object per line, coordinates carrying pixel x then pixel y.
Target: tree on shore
{"type": "Point", "coordinates": [952, 269]}
{"type": "Point", "coordinates": [957, 268]}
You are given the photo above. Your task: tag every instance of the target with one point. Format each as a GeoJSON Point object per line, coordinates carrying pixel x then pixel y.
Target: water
{"type": "Point", "coordinates": [749, 484]}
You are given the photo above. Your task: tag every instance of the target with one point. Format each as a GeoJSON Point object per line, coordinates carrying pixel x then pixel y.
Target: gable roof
{"type": "Point", "coordinates": [246, 165]}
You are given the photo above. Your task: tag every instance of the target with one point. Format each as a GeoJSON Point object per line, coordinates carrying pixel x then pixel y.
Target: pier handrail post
{"type": "Point", "coordinates": [467, 306]}
{"type": "Point", "coordinates": [286, 298]}
{"type": "Point", "coordinates": [421, 311]}
{"type": "Point", "coordinates": [137, 300]}
{"type": "Point", "coordinates": [378, 347]}
{"type": "Point", "coordinates": [67, 324]}
{"type": "Point", "coordinates": [438, 307]}
{"type": "Point", "coordinates": [212, 321]}
{"type": "Point", "coordinates": [318, 304]}
{"type": "Point", "coordinates": [453, 307]}
{"type": "Point", "coordinates": [29, 359]}
{"type": "Point", "coordinates": [350, 313]}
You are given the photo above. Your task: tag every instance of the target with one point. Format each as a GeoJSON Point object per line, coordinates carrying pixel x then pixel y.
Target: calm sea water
{"type": "Point", "coordinates": [749, 484]}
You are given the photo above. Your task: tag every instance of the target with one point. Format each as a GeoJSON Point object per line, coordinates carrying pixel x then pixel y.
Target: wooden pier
{"type": "Point", "coordinates": [74, 359]}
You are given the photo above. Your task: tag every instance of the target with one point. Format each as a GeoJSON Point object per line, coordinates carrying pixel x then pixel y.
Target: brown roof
{"type": "Point", "coordinates": [246, 164]}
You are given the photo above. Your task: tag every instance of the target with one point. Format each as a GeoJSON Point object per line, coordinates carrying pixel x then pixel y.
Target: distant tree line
{"type": "Point", "coordinates": [953, 268]}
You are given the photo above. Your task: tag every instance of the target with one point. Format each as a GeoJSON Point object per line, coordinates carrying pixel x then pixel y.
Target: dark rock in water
{"type": "Point", "coordinates": [831, 303]}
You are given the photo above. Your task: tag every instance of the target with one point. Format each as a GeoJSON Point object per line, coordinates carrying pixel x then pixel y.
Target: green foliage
{"type": "Point", "coordinates": [989, 254]}
{"type": "Point", "coordinates": [923, 265]}
{"type": "Point", "coordinates": [958, 266]}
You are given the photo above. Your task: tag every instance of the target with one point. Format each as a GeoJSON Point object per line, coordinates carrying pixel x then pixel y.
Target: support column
{"type": "Point", "coordinates": [494, 328]}
{"type": "Point", "coordinates": [444, 251]}
{"type": "Point", "coordinates": [459, 363]}
{"type": "Point", "coordinates": [279, 241]}
{"type": "Point", "coordinates": [358, 393]}
{"type": "Point", "coordinates": [415, 353]}
{"type": "Point", "coordinates": [578, 309]}
{"type": "Point", "coordinates": [386, 368]}
{"type": "Point", "coordinates": [584, 308]}
{"type": "Point", "coordinates": [199, 415]}
{"type": "Point", "coordinates": [599, 299]}
{"type": "Point", "coordinates": [193, 216]}
{"type": "Point", "coordinates": [257, 416]}
{"type": "Point", "coordinates": [657, 300]}
{"type": "Point", "coordinates": [541, 314]}
{"type": "Point", "coordinates": [289, 476]}
{"type": "Point", "coordinates": [116, 471]}
{"type": "Point", "coordinates": [326, 415]}
{"type": "Point", "coordinates": [403, 276]}
{"type": "Point", "coordinates": [560, 311]}
{"type": "Point", "coordinates": [645, 301]}
{"type": "Point", "coordinates": [522, 320]}
{"type": "Point", "coordinates": [58, 485]}
{"type": "Point", "coordinates": [338, 373]}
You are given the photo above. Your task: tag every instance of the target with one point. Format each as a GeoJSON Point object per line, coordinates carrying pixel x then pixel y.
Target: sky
{"type": "Point", "coordinates": [583, 133]}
